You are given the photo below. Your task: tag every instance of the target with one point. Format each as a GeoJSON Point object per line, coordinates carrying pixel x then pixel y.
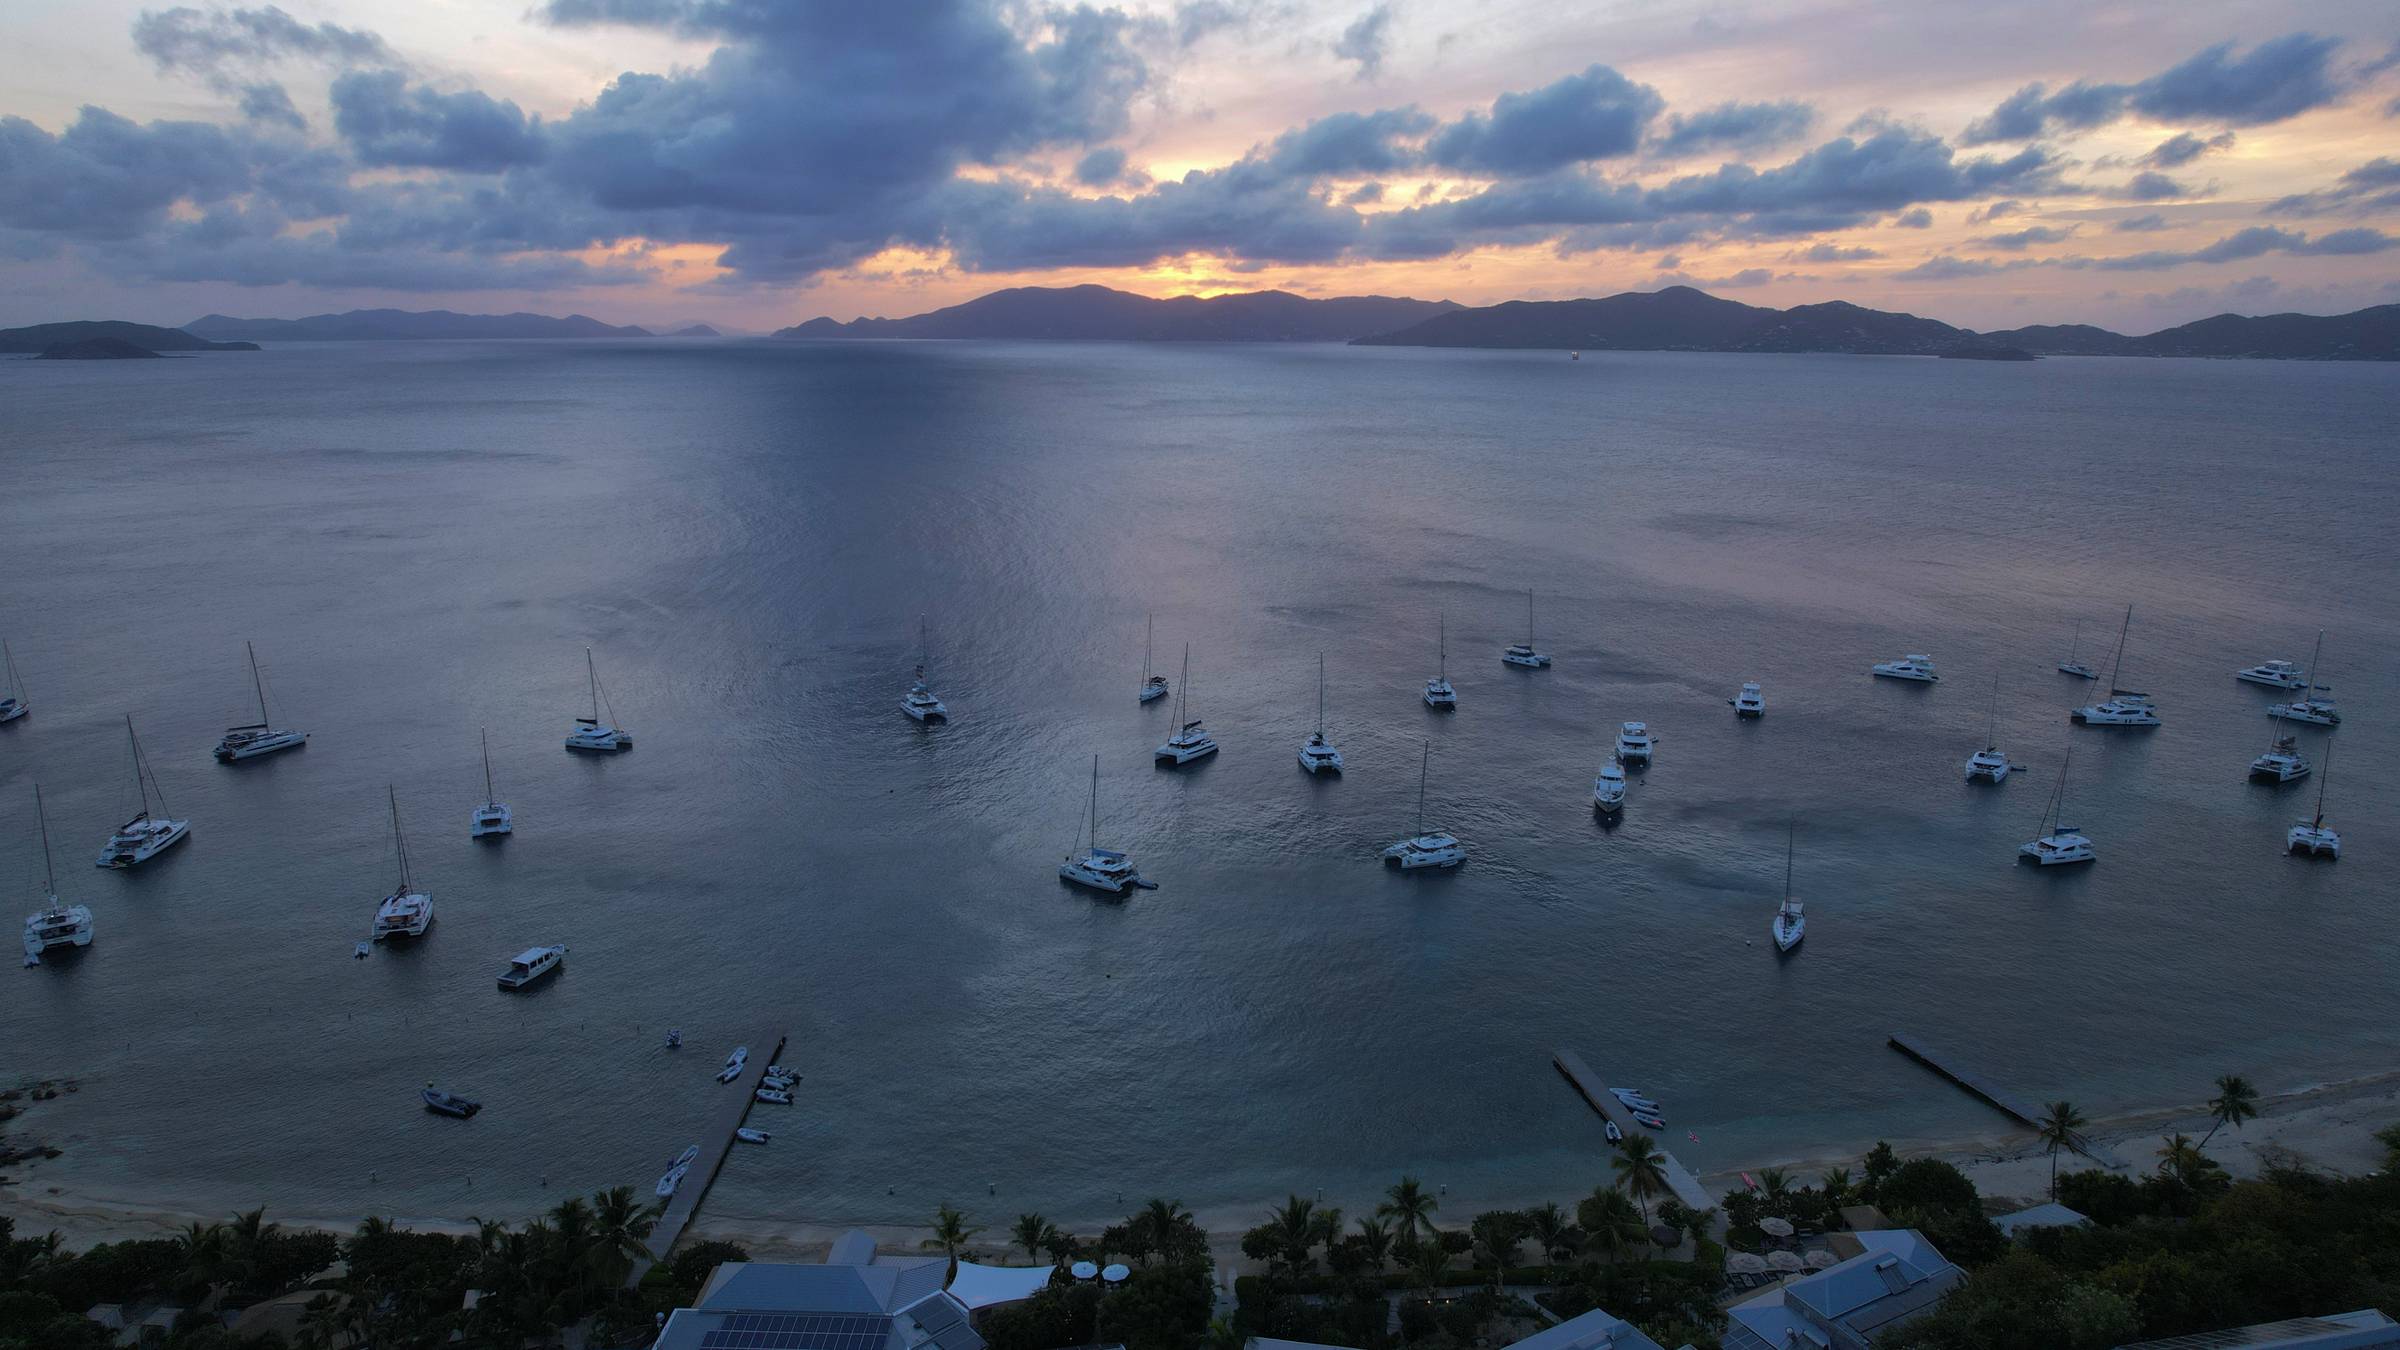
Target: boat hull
{"type": "Point", "coordinates": [2314, 843]}
{"type": "Point", "coordinates": [1091, 881]}
{"type": "Point", "coordinates": [1178, 755]}
{"type": "Point", "coordinates": [1537, 661]}
{"type": "Point", "coordinates": [118, 858]}
{"type": "Point", "coordinates": [265, 745]}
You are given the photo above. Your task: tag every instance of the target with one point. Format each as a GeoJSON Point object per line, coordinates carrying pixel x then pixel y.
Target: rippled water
{"type": "Point", "coordinates": [422, 538]}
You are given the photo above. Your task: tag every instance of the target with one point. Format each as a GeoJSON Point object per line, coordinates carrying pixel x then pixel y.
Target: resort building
{"type": "Point", "coordinates": [2050, 1215]}
{"type": "Point", "coordinates": [1594, 1330]}
{"type": "Point", "coordinates": [2365, 1329]}
{"type": "Point", "coordinates": [1896, 1277]}
{"type": "Point", "coordinates": [856, 1300]}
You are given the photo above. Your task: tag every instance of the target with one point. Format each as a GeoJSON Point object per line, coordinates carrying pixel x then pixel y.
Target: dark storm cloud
{"type": "Point", "coordinates": [1101, 167]}
{"type": "Point", "coordinates": [390, 123]}
{"type": "Point", "coordinates": [1596, 114]}
{"type": "Point", "coordinates": [1735, 126]}
{"type": "Point", "coordinates": [1366, 40]}
{"type": "Point", "coordinates": [2277, 79]}
{"type": "Point", "coordinates": [215, 44]}
{"type": "Point", "coordinates": [105, 177]}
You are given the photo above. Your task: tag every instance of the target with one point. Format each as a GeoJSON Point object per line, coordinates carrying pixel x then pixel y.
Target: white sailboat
{"type": "Point", "coordinates": [2310, 709]}
{"type": "Point", "coordinates": [145, 836]}
{"type": "Point", "coordinates": [1608, 789]}
{"type": "Point", "coordinates": [261, 737]}
{"type": "Point", "coordinates": [492, 817]}
{"type": "Point", "coordinates": [1439, 696]}
{"type": "Point", "coordinates": [2073, 667]}
{"type": "Point", "coordinates": [1154, 685]}
{"type": "Point", "coordinates": [590, 734]}
{"type": "Point", "coordinates": [12, 699]}
{"type": "Point", "coordinates": [2060, 842]}
{"type": "Point", "coordinates": [1191, 740]}
{"type": "Point", "coordinates": [1101, 869]}
{"type": "Point", "coordinates": [54, 924]}
{"type": "Point", "coordinates": [2124, 707]}
{"type": "Point", "coordinates": [1318, 755]}
{"type": "Point", "coordinates": [1791, 925]}
{"type": "Point", "coordinates": [920, 702]}
{"type": "Point", "coordinates": [407, 911]}
{"type": "Point", "coordinates": [1522, 653]}
{"type": "Point", "coordinates": [2313, 836]}
{"type": "Point", "coordinates": [1425, 848]}
{"type": "Point", "coordinates": [1989, 764]}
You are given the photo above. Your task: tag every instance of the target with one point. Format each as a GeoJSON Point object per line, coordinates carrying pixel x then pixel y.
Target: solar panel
{"type": "Point", "coordinates": [798, 1331]}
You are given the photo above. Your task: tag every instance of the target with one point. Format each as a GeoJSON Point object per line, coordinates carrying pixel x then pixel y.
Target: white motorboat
{"type": "Point", "coordinates": [2313, 836]}
{"type": "Point", "coordinates": [1914, 666]}
{"type": "Point", "coordinates": [407, 911]}
{"type": "Point", "coordinates": [262, 737]}
{"type": "Point", "coordinates": [751, 1136]}
{"type": "Point", "coordinates": [2073, 667]}
{"type": "Point", "coordinates": [1154, 685]}
{"type": "Point", "coordinates": [1191, 740]}
{"type": "Point", "coordinates": [54, 924]}
{"type": "Point", "coordinates": [1989, 764]}
{"type": "Point", "coordinates": [734, 1064]}
{"type": "Point", "coordinates": [1097, 868]}
{"type": "Point", "coordinates": [1608, 789]}
{"type": "Point", "coordinates": [1615, 1136]}
{"type": "Point", "coordinates": [2274, 675]}
{"type": "Point", "coordinates": [1318, 755]}
{"type": "Point", "coordinates": [1425, 848]}
{"type": "Point", "coordinates": [145, 836]}
{"type": "Point", "coordinates": [1791, 924]}
{"type": "Point", "coordinates": [591, 734]}
{"type": "Point", "coordinates": [1523, 653]}
{"type": "Point", "coordinates": [772, 1096]}
{"type": "Point", "coordinates": [1648, 1120]}
{"type": "Point", "coordinates": [12, 701]}
{"type": "Point", "coordinates": [2311, 709]}
{"type": "Point", "coordinates": [2059, 843]}
{"type": "Point", "coordinates": [1749, 702]}
{"type": "Point", "coordinates": [2123, 707]}
{"type": "Point", "coordinates": [492, 817]}
{"type": "Point", "coordinates": [919, 702]}
{"type": "Point", "coordinates": [1439, 696]}
{"type": "Point", "coordinates": [1635, 743]}
{"type": "Point", "coordinates": [531, 965]}
{"type": "Point", "coordinates": [676, 1170]}
{"type": "Point", "coordinates": [2282, 762]}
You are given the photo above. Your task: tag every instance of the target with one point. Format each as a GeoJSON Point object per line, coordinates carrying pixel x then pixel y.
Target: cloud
{"type": "Point", "coordinates": [1366, 40]}
{"type": "Point", "coordinates": [2251, 243]}
{"type": "Point", "coordinates": [1944, 267]}
{"type": "Point", "coordinates": [1596, 114]}
{"type": "Point", "coordinates": [1916, 219]}
{"type": "Point", "coordinates": [1347, 144]}
{"type": "Point", "coordinates": [267, 103]}
{"type": "Point", "coordinates": [1747, 277]}
{"type": "Point", "coordinates": [2183, 147]}
{"type": "Point", "coordinates": [392, 125]}
{"type": "Point", "coordinates": [2277, 79]}
{"type": "Point", "coordinates": [2148, 186]}
{"type": "Point", "coordinates": [1853, 180]}
{"type": "Point", "coordinates": [2133, 224]}
{"type": "Point", "coordinates": [217, 45]}
{"type": "Point", "coordinates": [106, 177]}
{"type": "Point", "coordinates": [2019, 240]}
{"type": "Point", "coordinates": [2374, 185]}
{"type": "Point", "coordinates": [1735, 126]}
{"type": "Point", "coordinates": [1829, 251]}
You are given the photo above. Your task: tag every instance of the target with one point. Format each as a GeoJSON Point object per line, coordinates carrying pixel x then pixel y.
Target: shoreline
{"type": "Point", "coordinates": [2327, 1126]}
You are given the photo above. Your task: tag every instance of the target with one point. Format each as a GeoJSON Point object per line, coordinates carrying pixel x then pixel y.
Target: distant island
{"type": "Point", "coordinates": [696, 330]}
{"type": "Point", "coordinates": [389, 324]}
{"type": "Point", "coordinates": [107, 340]}
{"type": "Point", "coordinates": [1099, 314]}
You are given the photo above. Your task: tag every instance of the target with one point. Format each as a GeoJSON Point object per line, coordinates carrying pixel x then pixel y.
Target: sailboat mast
{"type": "Point", "coordinates": [1095, 801]}
{"type": "Point", "coordinates": [1320, 696]}
{"type": "Point", "coordinates": [257, 683]}
{"type": "Point", "coordinates": [2117, 666]}
{"type": "Point", "coordinates": [2319, 822]}
{"type": "Point", "coordinates": [399, 841]}
{"type": "Point", "coordinates": [1991, 723]}
{"type": "Point", "coordinates": [1424, 762]}
{"type": "Point", "coordinates": [1790, 830]}
{"type": "Point", "coordinates": [1183, 692]}
{"type": "Point", "coordinates": [487, 763]}
{"type": "Point", "coordinates": [1529, 618]}
{"type": "Point", "coordinates": [138, 785]}
{"type": "Point", "coordinates": [2319, 650]}
{"type": "Point", "coordinates": [9, 658]}
{"type": "Point", "coordinates": [49, 874]}
{"type": "Point", "coordinates": [2075, 643]}
{"type": "Point", "coordinates": [1442, 646]}
{"type": "Point", "coordinates": [1149, 634]}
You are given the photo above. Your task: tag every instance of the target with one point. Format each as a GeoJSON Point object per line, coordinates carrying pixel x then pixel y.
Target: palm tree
{"type": "Point", "coordinates": [1296, 1228]}
{"type": "Point", "coordinates": [202, 1247]}
{"type": "Point", "coordinates": [1429, 1258]}
{"type": "Point", "coordinates": [1165, 1226]}
{"type": "Point", "coordinates": [243, 1240]}
{"type": "Point", "coordinates": [1836, 1185]}
{"type": "Point", "coordinates": [2058, 1131]}
{"type": "Point", "coordinates": [621, 1233]}
{"type": "Point", "coordinates": [1641, 1171]}
{"type": "Point", "coordinates": [1061, 1245]}
{"type": "Point", "coordinates": [1375, 1241]}
{"type": "Point", "coordinates": [1410, 1209]}
{"type": "Point", "coordinates": [1549, 1226]}
{"type": "Point", "coordinates": [950, 1236]}
{"type": "Point", "coordinates": [1030, 1232]}
{"type": "Point", "coordinates": [2236, 1101]}
{"type": "Point", "coordinates": [1698, 1222]}
{"type": "Point", "coordinates": [1610, 1223]}
{"type": "Point", "coordinates": [1497, 1235]}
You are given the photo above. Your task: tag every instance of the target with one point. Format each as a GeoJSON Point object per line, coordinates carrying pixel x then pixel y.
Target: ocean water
{"type": "Point", "coordinates": [422, 538]}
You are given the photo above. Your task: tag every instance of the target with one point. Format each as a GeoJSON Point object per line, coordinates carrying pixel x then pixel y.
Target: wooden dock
{"type": "Point", "coordinates": [1687, 1188]}
{"type": "Point", "coordinates": [715, 1143]}
{"type": "Point", "coordinates": [2006, 1102]}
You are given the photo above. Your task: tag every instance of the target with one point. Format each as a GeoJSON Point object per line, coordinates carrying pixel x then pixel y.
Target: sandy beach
{"type": "Point", "coordinates": [2328, 1127]}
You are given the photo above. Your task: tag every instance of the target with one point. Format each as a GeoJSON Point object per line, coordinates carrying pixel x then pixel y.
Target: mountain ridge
{"type": "Point", "coordinates": [96, 334]}
{"type": "Point", "coordinates": [1094, 313]}
{"type": "Point", "coordinates": [359, 325]}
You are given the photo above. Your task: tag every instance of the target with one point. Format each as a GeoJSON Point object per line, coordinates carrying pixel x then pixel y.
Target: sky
{"type": "Point", "coordinates": [754, 163]}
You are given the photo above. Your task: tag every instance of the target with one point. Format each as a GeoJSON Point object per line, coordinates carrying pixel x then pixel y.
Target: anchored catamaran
{"type": "Point", "coordinates": [145, 836]}
{"type": "Point", "coordinates": [253, 739]}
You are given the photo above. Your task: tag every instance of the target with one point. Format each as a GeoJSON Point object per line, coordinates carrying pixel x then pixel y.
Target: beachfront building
{"type": "Point", "coordinates": [2048, 1215]}
{"type": "Point", "coordinates": [856, 1300]}
{"type": "Point", "coordinates": [2365, 1329]}
{"type": "Point", "coordinates": [1896, 1277]}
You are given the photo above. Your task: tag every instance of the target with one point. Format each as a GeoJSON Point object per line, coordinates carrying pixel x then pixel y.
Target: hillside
{"type": "Point", "coordinates": [402, 324]}
{"type": "Point", "coordinates": [42, 336]}
{"type": "Point", "coordinates": [1099, 314]}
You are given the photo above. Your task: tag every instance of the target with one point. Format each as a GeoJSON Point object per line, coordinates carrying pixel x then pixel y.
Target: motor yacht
{"type": "Point", "coordinates": [1318, 755]}
{"type": "Point", "coordinates": [1425, 848]}
{"type": "Point", "coordinates": [1154, 685]}
{"type": "Point", "coordinates": [2313, 836]}
{"type": "Point", "coordinates": [1097, 868]}
{"type": "Point", "coordinates": [1989, 764]}
{"type": "Point", "coordinates": [1523, 653]}
{"type": "Point", "coordinates": [1635, 743]}
{"type": "Point", "coordinates": [1439, 696]}
{"type": "Point", "coordinates": [591, 734]}
{"type": "Point", "coordinates": [2073, 667]}
{"type": "Point", "coordinates": [2275, 675]}
{"type": "Point", "coordinates": [2318, 712]}
{"type": "Point", "coordinates": [54, 924]}
{"type": "Point", "coordinates": [1749, 702]}
{"type": "Point", "coordinates": [147, 835]}
{"type": "Point", "coordinates": [1191, 740]}
{"type": "Point", "coordinates": [2282, 763]}
{"type": "Point", "coordinates": [407, 912]}
{"type": "Point", "coordinates": [2123, 707]}
{"type": "Point", "coordinates": [919, 703]}
{"type": "Point", "coordinates": [12, 702]}
{"type": "Point", "coordinates": [1915, 666]}
{"type": "Point", "coordinates": [2059, 843]}
{"type": "Point", "coordinates": [1791, 923]}
{"type": "Point", "coordinates": [262, 737]}
{"type": "Point", "coordinates": [1608, 790]}
{"type": "Point", "coordinates": [531, 965]}
{"type": "Point", "coordinates": [491, 818]}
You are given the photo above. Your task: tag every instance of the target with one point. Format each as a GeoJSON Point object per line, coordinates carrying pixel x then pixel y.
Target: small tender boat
{"type": "Point", "coordinates": [1615, 1135]}
{"type": "Point", "coordinates": [1635, 743]}
{"type": "Point", "coordinates": [448, 1103]}
{"type": "Point", "coordinates": [1914, 666]}
{"type": "Point", "coordinates": [2059, 843]}
{"type": "Point", "coordinates": [1648, 1121]}
{"type": "Point", "coordinates": [1101, 869]}
{"type": "Point", "coordinates": [674, 1039]}
{"type": "Point", "coordinates": [1435, 848]}
{"type": "Point", "coordinates": [777, 1096]}
{"type": "Point", "coordinates": [1749, 702]}
{"type": "Point", "coordinates": [261, 737]}
{"type": "Point", "coordinates": [1318, 755]}
{"type": "Point", "coordinates": [2274, 675]}
{"type": "Point", "coordinates": [919, 703]}
{"type": "Point", "coordinates": [733, 1064]}
{"type": "Point", "coordinates": [1608, 790]}
{"type": "Point", "coordinates": [676, 1170]}
{"type": "Point", "coordinates": [1439, 696]}
{"type": "Point", "coordinates": [590, 734]}
{"type": "Point", "coordinates": [1191, 741]}
{"type": "Point", "coordinates": [1523, 653]}
{"type": "Point", "coordinates": [1632, 1098]}
{"type": "Point", "coordinates": [751, 1136]}
{"type": "Point", "coordinates": [1154, 685]}
{"type": "Point", "coordinates": [2073, 667]}
{"type": "Point", "coordinates": [531, 965]}
{"type": "Point", "coordinates": [778, 1071]}
{"type": "Point", "coordinates": [491, 818]}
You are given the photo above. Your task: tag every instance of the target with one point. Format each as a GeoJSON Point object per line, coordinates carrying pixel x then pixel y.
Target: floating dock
{"type": "Point", "coordinates": [2007, 1103]}
{"type": "Point", "coordinates": [1687, 1188]}
{"type": "Point", "coordinates": [715, 1143]}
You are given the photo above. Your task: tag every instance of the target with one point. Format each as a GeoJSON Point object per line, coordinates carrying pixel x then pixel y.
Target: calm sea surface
{"type": "Point", "coordinates": [422, 539]}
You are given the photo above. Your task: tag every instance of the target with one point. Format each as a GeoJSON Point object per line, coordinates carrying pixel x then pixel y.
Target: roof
{"type": "Point", "coordinates": [1897, 1276]}
{"type": "Point", "coordinates": [980, 1286]}
{"type": "Point", "coordinates": [1594, 1330]}
{"type": "Point", "coordinates": [2052, 1215]}
{"type": "Point", "coordinates": [757, 1305]}
{"type": "Point", "coordinates": [2334, 1331]}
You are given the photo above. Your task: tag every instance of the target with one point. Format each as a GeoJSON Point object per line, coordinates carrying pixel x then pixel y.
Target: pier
{"type": "Point", "coordinates": [1687, 1188]}
{"type": "Point", "coordinates": [2006, 1103]}
{"type": "Point", "coordinates": [716, 1141]}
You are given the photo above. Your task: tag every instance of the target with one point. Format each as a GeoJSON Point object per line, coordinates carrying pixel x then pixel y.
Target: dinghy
{"type": "Point", "coordinates": [448, 1103]}
{"type": "Point", "coordinates": [733, 1064]}
{"type": "Point", "coordinates": [774, 1096]}
{"type": "Point", "coordinates": [751, 1136]}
